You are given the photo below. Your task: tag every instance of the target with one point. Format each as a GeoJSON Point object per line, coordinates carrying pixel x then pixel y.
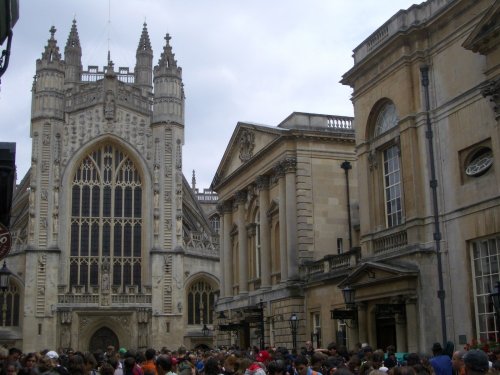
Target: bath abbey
{"type": "Point", "coordinates": [111, 245]}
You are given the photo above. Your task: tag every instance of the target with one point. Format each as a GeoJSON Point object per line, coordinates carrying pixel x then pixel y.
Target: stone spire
{"type": "Point", "coordinates": [193, 181]}
{"type": "Point", "coordinates": [48, 88]}
{"type": "Point", "coordinates": [51, 53]}
{"type": "Point", "coordinates": [73, 56]}
{"type": "Point", "coordinates": [167, 59]}
{"type": "Point", "coordinates": [168, 105]}
{"type": "Point", "coordinates": [144, 62]}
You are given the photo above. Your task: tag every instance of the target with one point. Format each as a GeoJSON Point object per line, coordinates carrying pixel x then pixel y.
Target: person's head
{"type": "Point", "coordinates": [106, 369]}
{"type": "Point", "coordinates": [14, 354]}
{"type": "Point", "coordinates": [437, 349]}
{"type": "Point", "coordinates": [29, 361]}
{"type": "Point", "coordinates": [211, 367]}
{"type": "Point", "coordinates": [457, 360]}
{"type": "Point", "coordinates": [476, 362]}
{"type": "Point", "coordinates": [332, 348]}
{"type": "Point", "coordinates": [301, 363]}
{"type": "Point", "coordinates": [317, 360]}
{"type": "Point", "coordinates": [276, 367]}
{"type": "Point", "coordinates": [412, 359]}
{"type": "Point", "coordinates": [150, 354]}
{"type": "Point", "coordinates": [309, 345]}
{"type": "Point", "coordinates": [89, 361]}
{"type": "Point", "coordinates": [11, 369]}
{"type": "Point", "coordinates": [163, 364]}
{"type": "Point", "coordinates": [76, 365]}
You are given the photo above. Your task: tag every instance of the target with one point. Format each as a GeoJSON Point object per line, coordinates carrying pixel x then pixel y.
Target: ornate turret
{"type": "Point", "coordinates": [48, 95]}
{"type": "Point", "coordinates": [168, 106]}
{"type": "Point", "coordinates": [73, 56]}
{"type": "Point", "coordinates": [144, 62]}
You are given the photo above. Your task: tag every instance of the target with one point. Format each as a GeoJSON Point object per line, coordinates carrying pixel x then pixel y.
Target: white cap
{"type": "Point", "coordinates": [52, 355]}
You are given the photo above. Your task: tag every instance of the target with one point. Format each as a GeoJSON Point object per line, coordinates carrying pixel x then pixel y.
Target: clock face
{"type": "Point", "coordinates": [387, 119]}
{"type": "Point", "coordinates": [480, 162]}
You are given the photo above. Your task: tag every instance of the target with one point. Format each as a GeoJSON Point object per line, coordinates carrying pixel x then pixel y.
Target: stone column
{"type": "Point", "coordinates": [290, 166]}
{"type": "Point", "coordinates": [280, 174]}
{"type": "Point", "coordinates": [412, 328]}
{"type": "Point", "coordinates": [223, 232]}
{"type": "Point", "coordinates": [362, 322]}
{"type": "Point", "coordinates": [401, 333]}
{"type": "Point", "coordinates": [241, 197]}
{"type": "Point", "coordinates": [265, 235]}
{"type": "Point", "coordinates": [227, 249]}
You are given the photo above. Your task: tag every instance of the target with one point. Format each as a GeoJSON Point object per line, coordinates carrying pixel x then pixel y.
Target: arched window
{"type": "Point", "coordinates": [388, 154]}
{"type": "Point", "coordinates": [201, 300]}
{"type": "Point", "coordinates": [106, 221]}
{"type": "Point", "coordinates": [10, 300]}
{"type": "Point", "coordinates": [386, 119]}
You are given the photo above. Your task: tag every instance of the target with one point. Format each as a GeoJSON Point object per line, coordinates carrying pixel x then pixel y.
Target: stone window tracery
{"type": "Point", "coordinates": [10, 301]}
{"type": "Point", "coordinates": [106, 219]}
{"type": "Point", "coordinates": [201, 300]}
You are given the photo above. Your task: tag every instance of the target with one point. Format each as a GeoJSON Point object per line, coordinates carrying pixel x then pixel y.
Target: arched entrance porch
{"type": "Point", "coordinates": [102, 338]}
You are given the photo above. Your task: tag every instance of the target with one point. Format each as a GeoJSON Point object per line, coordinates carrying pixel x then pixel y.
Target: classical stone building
{"type": "Point", "coordinates": [283, 201]}
{"type": "Point", "coordinates": [425, 93]}
{"type": "Point", "coordinates": [111, 244]}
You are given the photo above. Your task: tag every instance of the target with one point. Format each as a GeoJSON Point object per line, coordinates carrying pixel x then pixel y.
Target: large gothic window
{"type": "Point", "coordinates": [106, 220]}
{"type": "Point", "coordinates": [201, 301]}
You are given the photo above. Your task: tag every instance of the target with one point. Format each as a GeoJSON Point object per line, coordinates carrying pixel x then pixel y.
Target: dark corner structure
{"type": "Point", "coordinates": [9, 14]}
{"type": "Point", "coordinates": [7, 179]}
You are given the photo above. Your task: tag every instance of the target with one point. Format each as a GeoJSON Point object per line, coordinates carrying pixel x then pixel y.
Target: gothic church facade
{"type": "Point", "coordinates": [110, 243]}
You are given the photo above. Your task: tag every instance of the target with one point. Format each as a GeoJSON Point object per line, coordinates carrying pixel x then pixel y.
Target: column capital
{"type": "Point", "coordinates": [278, 171]}
{"type": "Point", "coordinates": [262, 182]}
{"type": "Point", "coordinates": [289, 164]}
{"type": "Point", "coordinates": [240, 196]}
{"type": "Point", "coordinates": [225, 207]}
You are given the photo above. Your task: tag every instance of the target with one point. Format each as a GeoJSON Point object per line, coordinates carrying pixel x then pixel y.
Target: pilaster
{"type": "Point", "coordinates": [262, 183]}
{"type": "Point", "coordinates": [240, 199]}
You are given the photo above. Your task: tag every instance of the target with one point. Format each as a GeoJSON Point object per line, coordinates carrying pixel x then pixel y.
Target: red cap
{"type": "Point", "coordinates": [263, 356]}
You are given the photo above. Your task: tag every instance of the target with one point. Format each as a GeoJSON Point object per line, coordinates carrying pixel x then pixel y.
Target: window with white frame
{"type": "Point", "coordinates": [485, 260]}
{"type": "Point", "coordinates": [316, 330]}
{"type": "Point", "coordinates": [392, 186]}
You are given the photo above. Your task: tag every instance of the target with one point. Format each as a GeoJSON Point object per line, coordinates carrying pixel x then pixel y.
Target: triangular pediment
{"type": "Point", "coordinates": [370, 273]}
{"type": "Point", "coordinates": [486, 35]}
{"type": "Point", "coordinates": [247, 143]}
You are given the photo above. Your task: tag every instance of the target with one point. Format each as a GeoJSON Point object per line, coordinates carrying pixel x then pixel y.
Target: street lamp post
{"type": "Point", "coordinates": [346, 166]}
{"type": "Point", "coordinates": [294, 322]}
{"type": "Point", "coordinates": [4, 285]}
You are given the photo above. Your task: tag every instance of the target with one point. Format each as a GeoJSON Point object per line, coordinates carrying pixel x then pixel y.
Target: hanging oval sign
{"type": "Point", "coordinates": [5, 241]}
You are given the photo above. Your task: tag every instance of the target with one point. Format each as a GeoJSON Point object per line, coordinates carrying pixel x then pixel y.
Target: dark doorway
{"type": "Point", "coordinates": [386, 331]}
{"type": "Point", "coordinates": [102, 338]}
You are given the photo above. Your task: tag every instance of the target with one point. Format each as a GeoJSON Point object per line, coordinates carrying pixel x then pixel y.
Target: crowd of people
{"type": "Point", "coordinates": [332, 360]}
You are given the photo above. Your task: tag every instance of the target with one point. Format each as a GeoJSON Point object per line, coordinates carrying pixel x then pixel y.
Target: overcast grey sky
{"type": "Point", "coordinates": [256, 61]}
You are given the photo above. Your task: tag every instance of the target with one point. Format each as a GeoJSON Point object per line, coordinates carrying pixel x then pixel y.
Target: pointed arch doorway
{"type": "Point", "coordinates": [102, 338]}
